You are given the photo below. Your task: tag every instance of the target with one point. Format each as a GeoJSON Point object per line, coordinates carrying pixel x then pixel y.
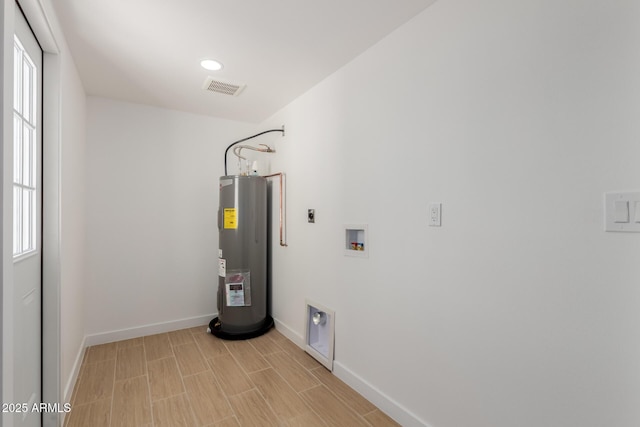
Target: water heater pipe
{"type": "Point", "coordinates": [282, 205]}
{"type": "Point", "coordinates": [238, 148]}
{"type": "Point", "coordinates": [246, 139]}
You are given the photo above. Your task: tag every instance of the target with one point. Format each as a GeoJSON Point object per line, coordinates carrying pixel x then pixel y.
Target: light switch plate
{"type": "Point", "coordinates": [621, 211]}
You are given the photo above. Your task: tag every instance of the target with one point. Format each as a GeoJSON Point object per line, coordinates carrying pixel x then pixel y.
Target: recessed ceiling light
{"type": "Point", "coordinates": [210, 64]}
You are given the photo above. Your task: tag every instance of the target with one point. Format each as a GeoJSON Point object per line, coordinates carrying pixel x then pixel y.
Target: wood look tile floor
{"type": "Point", "coordinates": [191, 378]}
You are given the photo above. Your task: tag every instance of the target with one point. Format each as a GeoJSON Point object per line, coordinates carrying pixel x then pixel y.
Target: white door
{"type": "Point", "coordinates": [27, 222]}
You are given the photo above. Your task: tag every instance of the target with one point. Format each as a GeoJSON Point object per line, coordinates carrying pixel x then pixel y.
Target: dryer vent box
{"type": "Point", "coordinates": [319, 333]}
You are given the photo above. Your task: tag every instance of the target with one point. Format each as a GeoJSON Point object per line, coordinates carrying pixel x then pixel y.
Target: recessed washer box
{"type": "Point", "coordinates": [356, 240]}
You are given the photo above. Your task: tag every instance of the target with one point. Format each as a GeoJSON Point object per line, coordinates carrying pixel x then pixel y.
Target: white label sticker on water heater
{"type": "Point", "coordinates": [222, 267]}
{"type": "Point", "coordinates": [235, 294]}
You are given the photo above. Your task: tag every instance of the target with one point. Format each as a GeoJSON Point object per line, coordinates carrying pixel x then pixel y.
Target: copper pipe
{"type": "Point", "coordinates": [282, 224]}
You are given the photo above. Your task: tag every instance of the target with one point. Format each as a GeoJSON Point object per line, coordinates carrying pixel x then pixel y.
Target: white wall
{"type": "Point", "coordinates": [520, 310]}
{"type": "Point", "coordinates": [72, 218]}
{"type": "Point", "coordinates": [152, 201]}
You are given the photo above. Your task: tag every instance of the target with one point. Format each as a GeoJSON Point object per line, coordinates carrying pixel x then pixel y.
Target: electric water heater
{"type": "Point", "coordinates": [242, 262]}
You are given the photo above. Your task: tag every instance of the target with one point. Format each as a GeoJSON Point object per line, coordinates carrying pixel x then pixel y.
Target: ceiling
{"type": "Point", "coordinates": [149, 51]}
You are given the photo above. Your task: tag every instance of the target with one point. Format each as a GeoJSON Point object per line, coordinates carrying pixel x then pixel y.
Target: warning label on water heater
{"type": "Point", "coordinates": [230, 218]}
{"type": "Point", "coordinates": [238, 289]}
{"type": "Point", "coordinates": [235, 295]}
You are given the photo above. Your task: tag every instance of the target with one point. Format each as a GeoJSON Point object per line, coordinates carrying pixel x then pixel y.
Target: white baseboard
{"type": "Point", "coordinates": [386, 404]}
{"type": "Point", "coordinates": [73, 377]}
{"type": "Point", "coordinates": [288, 332]}
{"type": "Point", "coordinates": [141, 331]}
{"type": "Point", "coordinates": [389, 406]}
{"type": "Point", "coordinates": [75, 371]}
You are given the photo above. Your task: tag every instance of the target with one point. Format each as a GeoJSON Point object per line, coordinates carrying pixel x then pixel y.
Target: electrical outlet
{"type": "Point", "coordinates": [435, 210]}
{"type": "Point", "coordinates": [311, 215]}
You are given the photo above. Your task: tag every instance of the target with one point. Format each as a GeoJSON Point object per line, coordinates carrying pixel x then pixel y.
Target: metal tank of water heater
{"type": "Point", "coordinates": [242, 264]}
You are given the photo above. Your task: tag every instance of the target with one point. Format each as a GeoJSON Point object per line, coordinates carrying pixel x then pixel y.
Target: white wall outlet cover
{"type": "Point", "coordinates": [435, 214]}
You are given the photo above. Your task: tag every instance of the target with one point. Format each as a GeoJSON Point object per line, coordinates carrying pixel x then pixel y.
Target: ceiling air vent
{"type": "Point", "coordinates": [218, 86]}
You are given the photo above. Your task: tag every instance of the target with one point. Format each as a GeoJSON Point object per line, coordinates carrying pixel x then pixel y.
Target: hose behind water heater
{"type": "Point", "coordinates": [246, 139]}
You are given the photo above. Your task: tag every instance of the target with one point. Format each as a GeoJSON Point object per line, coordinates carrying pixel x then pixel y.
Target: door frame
{"type": "Point", "coordinates": [39, 19]}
